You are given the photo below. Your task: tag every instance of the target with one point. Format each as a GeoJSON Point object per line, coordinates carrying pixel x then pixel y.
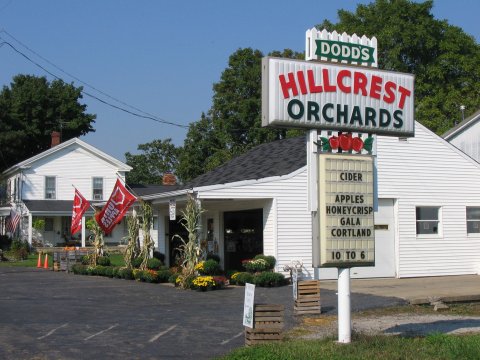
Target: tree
{"type": "Point", "coordinates": [158, 157]}
{"type": "Point", "coordinates": [30, 109]}
{"type": "Point", "coordinates": [233, 124]}
{"type": "Point", "coordinates": [444, 59]}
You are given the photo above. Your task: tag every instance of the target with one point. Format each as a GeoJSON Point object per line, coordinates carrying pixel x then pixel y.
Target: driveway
{"type": "Point", "coordinates": [54, 315]}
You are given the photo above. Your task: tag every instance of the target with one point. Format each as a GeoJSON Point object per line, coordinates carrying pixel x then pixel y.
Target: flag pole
{"type": "Point", "coordinates": [129, 188]}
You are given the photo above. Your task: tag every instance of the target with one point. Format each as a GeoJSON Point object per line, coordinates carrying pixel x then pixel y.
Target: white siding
{"type": "Point", "coordinates": [467, 140]}
{"type": "Point", "coordinates": [72, 166]}
{"type": "Point", "coordinates": [424, 171]}
{"type": "Point", "coordinates": [287, 220]}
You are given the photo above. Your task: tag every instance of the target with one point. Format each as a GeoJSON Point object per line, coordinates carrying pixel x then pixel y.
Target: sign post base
{"type": "Point", "coordinates": [344, 306]}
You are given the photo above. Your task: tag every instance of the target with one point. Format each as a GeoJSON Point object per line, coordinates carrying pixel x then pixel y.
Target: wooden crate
{"type": "Point", "coordinates": [65, 259]}
{"type": "Point", "coordinates": [308, 298]}
{"type": "Point", "coordinates": [268, 324]}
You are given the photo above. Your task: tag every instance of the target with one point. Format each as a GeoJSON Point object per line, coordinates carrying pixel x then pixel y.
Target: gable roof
{"type": "Point", "coordinates": [91, 149]}
{"type": "Point", "coordinates": [465, 124]}
{"type": "Point", "coordinates": [276, 158]}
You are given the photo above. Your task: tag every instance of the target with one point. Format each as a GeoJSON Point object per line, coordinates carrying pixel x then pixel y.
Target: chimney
{"type": "Point", "coordinates": [169, 179]}
{"type": "Point", "coordinates": [55, 138]}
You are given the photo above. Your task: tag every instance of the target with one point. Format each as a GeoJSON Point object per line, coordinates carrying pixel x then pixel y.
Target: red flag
{"type": "Point", "coordinates": [115, 208]}
{"type": "Point", "coordinates": [80, 205]}
{"type": "Point", "coordinates": [12, 221]}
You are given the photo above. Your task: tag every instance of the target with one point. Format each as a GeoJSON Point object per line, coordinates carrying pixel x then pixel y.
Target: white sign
{"type": "Point", "coordinates": [248, 305]}
{"type": "Point", "coordinates": [346, 223]}
{"type": "Point", "coordinates": [172, 209]}
{"type": "Point", "coordinates": [316, 95]}
{"type": "Point", "coordinates": [295, 283]}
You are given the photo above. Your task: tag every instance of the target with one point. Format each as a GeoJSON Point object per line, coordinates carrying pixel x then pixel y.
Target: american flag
{"type": "Point", "coordinates": [12, 221]}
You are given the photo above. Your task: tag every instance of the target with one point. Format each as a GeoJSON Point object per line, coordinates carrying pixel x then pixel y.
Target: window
{"type": "Point", "coordinates": [50, 187]}
{"type": "Point", "coordinates": [473, 220]}
{"type": "Point", "coordinates": [427, 220]}
{"type": "Point", "coordinates": [97, 188]}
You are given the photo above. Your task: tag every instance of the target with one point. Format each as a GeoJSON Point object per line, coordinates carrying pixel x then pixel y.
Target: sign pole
{"type": "Point", "coordinates": [344, 309]}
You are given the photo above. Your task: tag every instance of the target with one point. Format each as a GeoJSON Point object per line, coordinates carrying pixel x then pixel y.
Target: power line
{"type": "Point", "coordinates": [76, 78]}
{"type": "Point", "coordinates": [147, 116]}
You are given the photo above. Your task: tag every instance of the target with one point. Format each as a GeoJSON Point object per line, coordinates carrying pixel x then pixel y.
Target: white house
{"type": "Point", "coordinates": [465, 136]}
{"type": "Point", "coordinates": [42, 187]}
{"type": "Point", "coordinates": [427, 222]}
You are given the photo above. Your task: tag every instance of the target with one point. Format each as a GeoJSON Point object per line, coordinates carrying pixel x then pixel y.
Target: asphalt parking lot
{"type": "Point", "coordinates": [54, 315]}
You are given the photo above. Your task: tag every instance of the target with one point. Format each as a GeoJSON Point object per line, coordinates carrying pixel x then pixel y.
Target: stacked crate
{"type": "Point", "coordinates": [268, 324]}
{"type": "Point", "coordinates": [308, 297]}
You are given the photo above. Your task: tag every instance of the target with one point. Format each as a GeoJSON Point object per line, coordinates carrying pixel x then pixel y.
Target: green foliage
{"type": "Point", "coordinates": [271, 261]}
{"type": "Point", "coordinates": [233, 124]}
{"type": "Point", "coordinates": [31, 108]}
{"type": "Point", "coordinates": [269, 279]}
{"type": "Point", "coordinates": [241, 278]}
{"type": "Point", "coordinates": [157, 157]}
{"type": "Point", "coordinates": [211, 267]}
{"type": "Point", "coordinates": [164, 276]}
{"type": "Point", "coordinates": [125, 273]}
{"type": "Point", "coordinates": [173, 278]}
{"type": "Point", "coordinates": [79, 269]}
{"type": "Point", "coordinates": [154, 264]}
{"type": "Point", "coordinates": [137, 262]}
{"type": "Point", "coordinates": [85, 260]}
{"type": "Point", "coordinates": [103, 260]}
{"type": "Point", "coordinates": [38, 224]}
{"type": "Point", "coordinates": [444, 59]}
{"type": "Point", "coordinates": [255, 265]}
{"type": "Point", "coordinates": [438, 346]}
{"type": "Point", "coordinates": [19, 250]}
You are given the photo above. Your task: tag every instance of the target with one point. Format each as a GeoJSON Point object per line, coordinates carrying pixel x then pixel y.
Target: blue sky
{"type": "Point", "coordinates": [161, 56]}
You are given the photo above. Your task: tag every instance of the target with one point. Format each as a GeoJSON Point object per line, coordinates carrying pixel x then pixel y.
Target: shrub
{"type": "Point", "coordinates": [108, 271]}
{"type": "Point", "coordinates": [85, 259]}
{"type": "Point", "coordinates": [211, 267]}
{"type": "Point", "coordinates": [153, 264]}
{"type": "Point", "coordinates": [243, 277]}
{"type": "Point", "coordinates": [213, 257]}
{"type": "Point", "coordinates": [173, 278]}
{"type": "Point", "coordinates": [19, 250]}
{"type": "Point", "coordinates": [137, 262]}
{"type": "Point", "coordinates": [269, 279]}
{"type": "Point", "coordinates": [125, 273]}
{"type": "Point", "coordinates": [138, 275]}
{"type": "Point", "coordinates": [203, 283]}
{"type": "Point", "coordinates": [164, 276]}
{"type": "Point", "coordinates": [116, 272]}
{"type": "Point", "coordinates": [255, 265]}
{"type": "Point", "coordinates": [103, 261]}
{"type": "Point", "coordinates": [158, 255]}
{"type": "Point", "coordinates": [271, 261]}
{"type": "Point", "coordinates": [150, 276]}
{"type": "Point", "coordinates": [79, 269]}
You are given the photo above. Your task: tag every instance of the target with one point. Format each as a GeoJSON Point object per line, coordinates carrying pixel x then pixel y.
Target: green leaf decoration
{"type": "Point", "coordinates": [325, 143]}
{"type": "Point", "coordinates": [368, 143]}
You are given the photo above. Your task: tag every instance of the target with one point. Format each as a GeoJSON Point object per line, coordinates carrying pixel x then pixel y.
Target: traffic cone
{"type": "Point", "coordinates": [39, 262]}
{"type": "Point", "coordinates": [45, 264]}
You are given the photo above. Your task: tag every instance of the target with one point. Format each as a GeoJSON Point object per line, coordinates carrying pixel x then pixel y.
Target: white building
{"type": "Point", "coordinates": [465, 136]}
{"type": "Point", "coordinates": [427, 221]}
{"type": "Point", "coordinates": [42, 188]}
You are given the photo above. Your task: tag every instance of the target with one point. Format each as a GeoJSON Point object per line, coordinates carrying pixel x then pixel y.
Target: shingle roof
{"type": "Point", "coordinates": [471, 120]}
{"type": "Point", "coordinates": [276, 158]}
{"type": "Point", "coordinates": [142, 190]}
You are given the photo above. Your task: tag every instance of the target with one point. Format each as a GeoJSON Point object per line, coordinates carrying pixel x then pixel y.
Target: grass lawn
{"type": "Point", "coordinates": [30, 262]}
{"type": "Point", "coordinates": [116, 260]}
{"type": "Point", "coordinates": [437, 346]}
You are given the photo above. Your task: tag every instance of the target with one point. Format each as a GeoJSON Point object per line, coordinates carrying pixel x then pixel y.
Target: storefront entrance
{"type": "Point", "coordinates": [175, 227]}
{"type": "Point", "coordinates": [243, 234]}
